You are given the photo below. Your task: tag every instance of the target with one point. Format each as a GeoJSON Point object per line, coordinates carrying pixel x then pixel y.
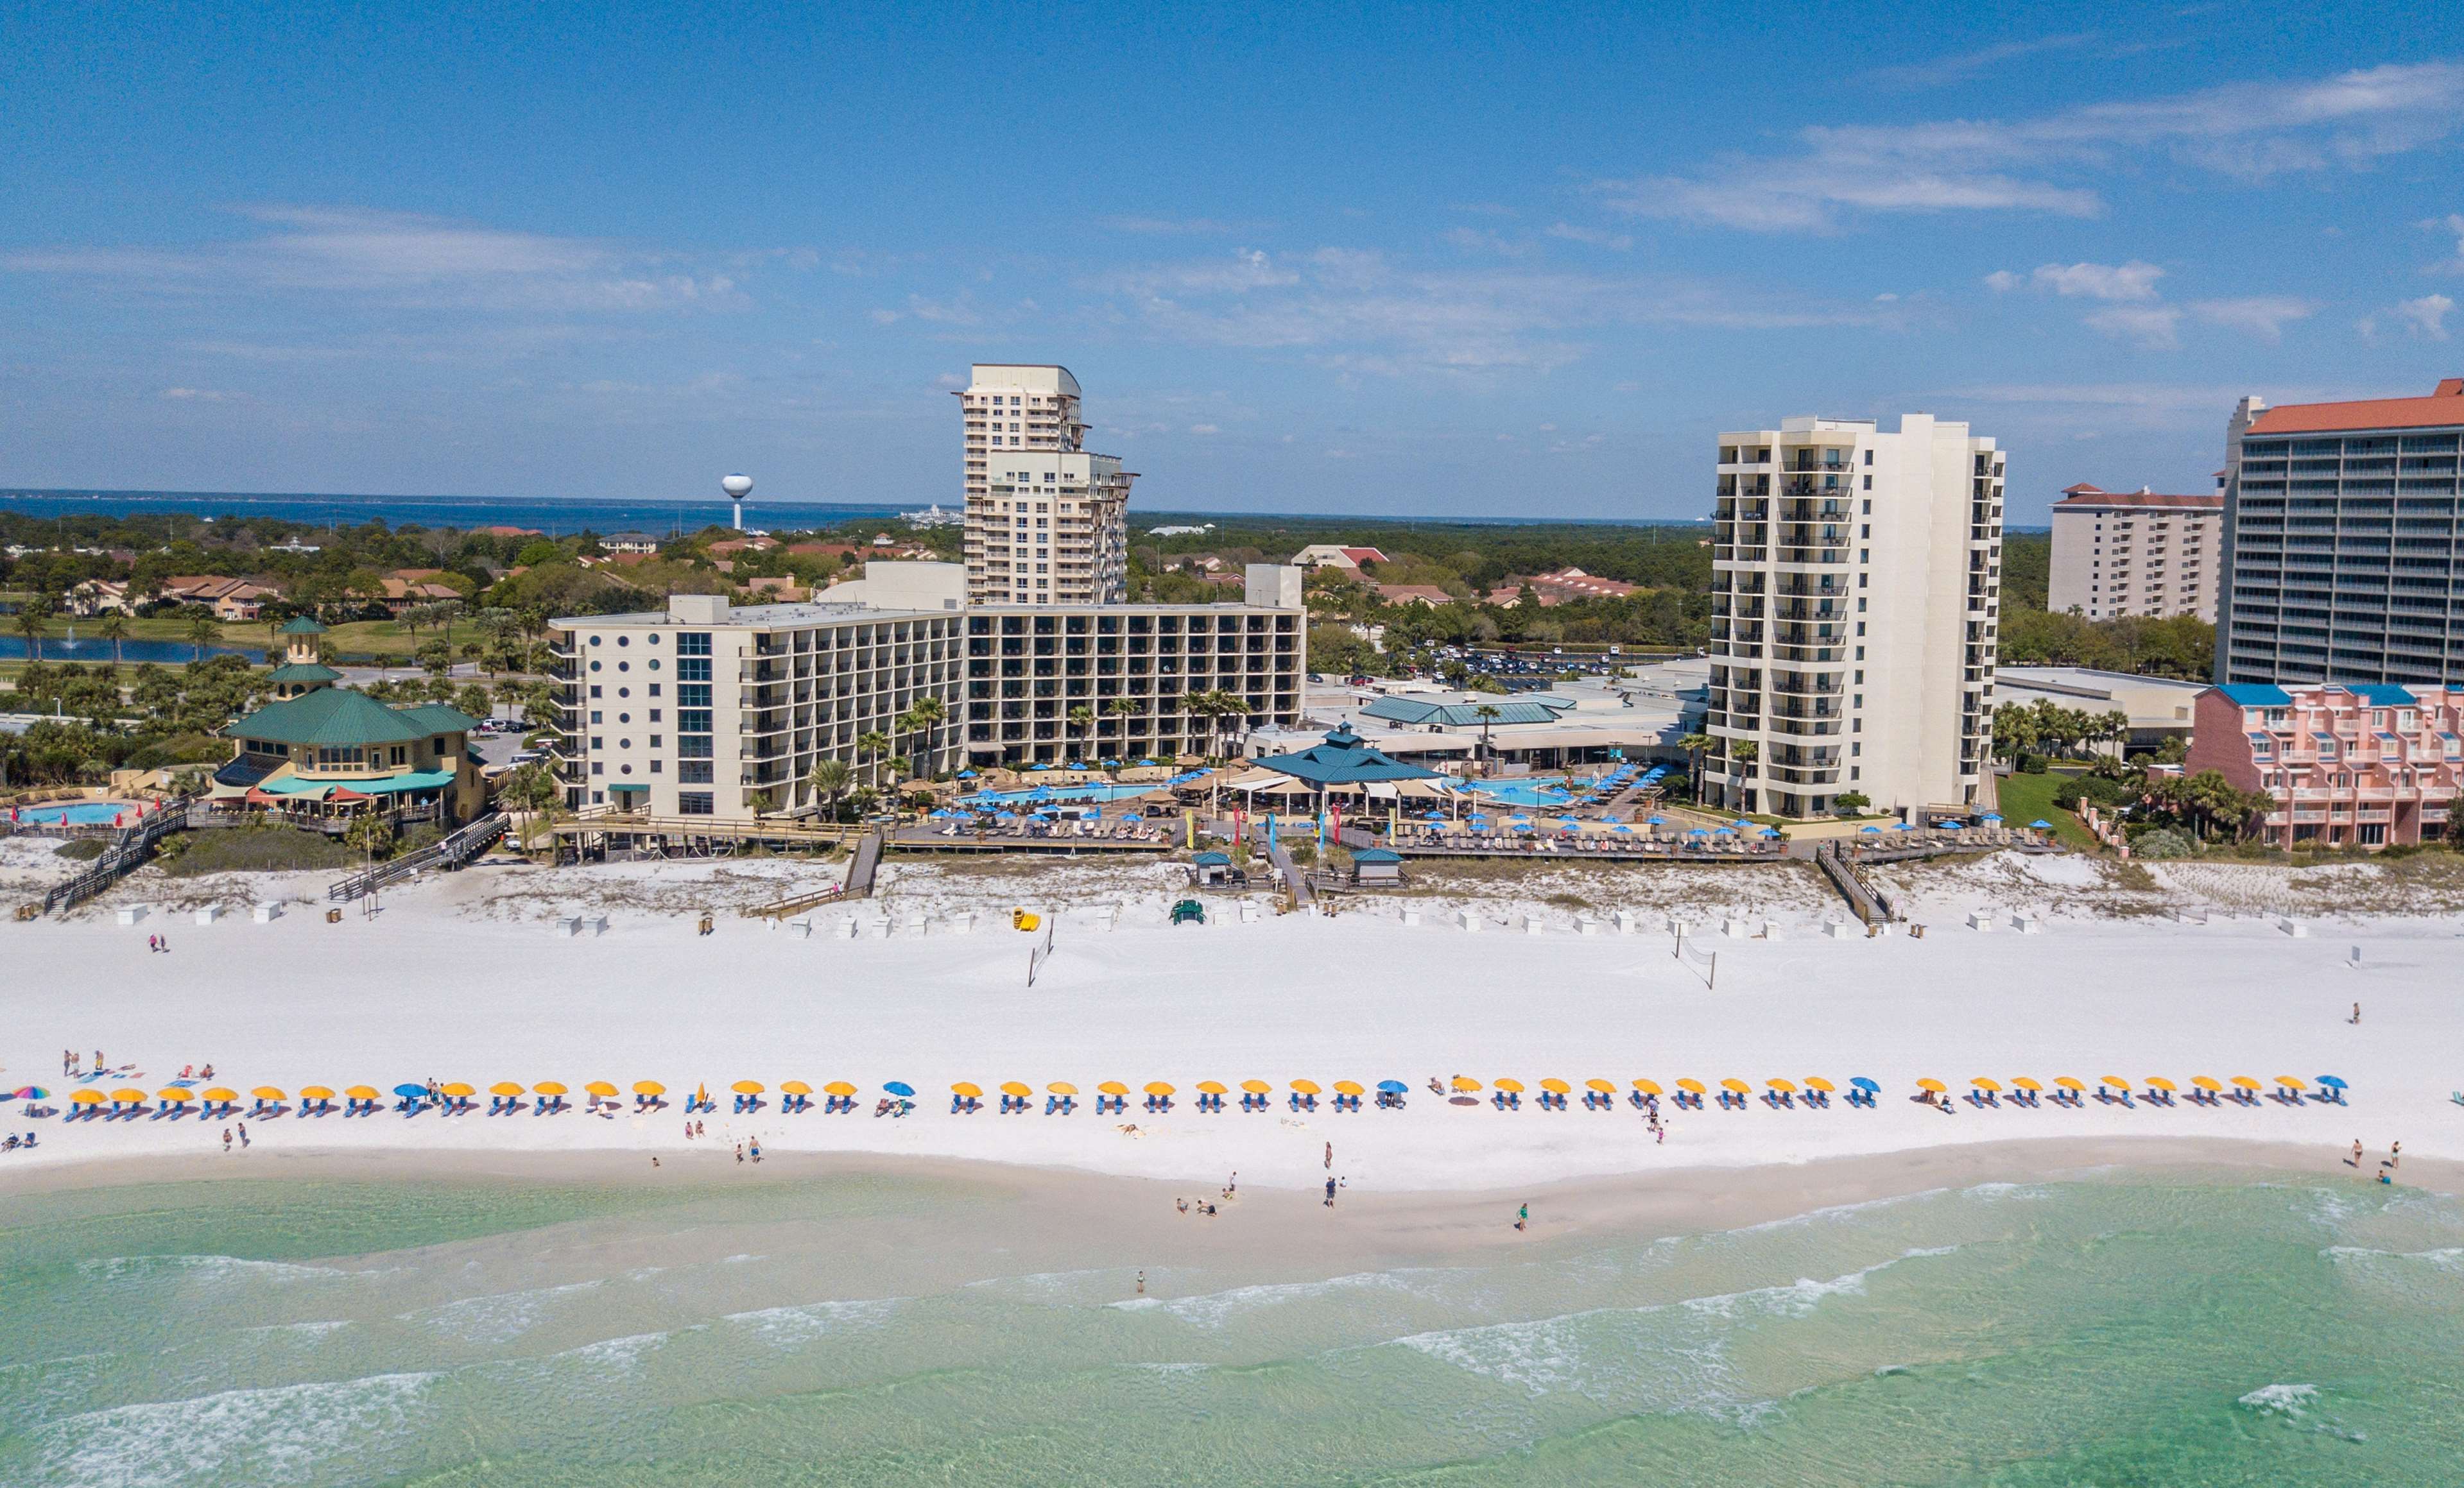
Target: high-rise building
{"type": "Point", "coordinates": [1048, 520]}
{"type": "Point", "coordinates": [2340, 560]}
{"type": "Point", "coordinates": [2135, 552]}
{"type": "Point", "coordinates": [1855, 600]}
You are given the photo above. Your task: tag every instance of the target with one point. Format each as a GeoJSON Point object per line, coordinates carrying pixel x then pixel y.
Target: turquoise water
{"type": "Point", "coordinates": [86, 813]}
{"type": "Point", "coordinates": [2113, 1330]}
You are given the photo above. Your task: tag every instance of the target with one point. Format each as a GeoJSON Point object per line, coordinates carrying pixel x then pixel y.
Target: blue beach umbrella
{"type": "Point", "coordinates": [1866, 1085]}
{"type": "Point", "coordinates": [412, 1092]}
{"type": "Point", "coordinates": [1392, 1086]}
{"type": "Point", "coordinates": [2332, 1083]}
{"type": "Point", "coordinates": [900, 1088]}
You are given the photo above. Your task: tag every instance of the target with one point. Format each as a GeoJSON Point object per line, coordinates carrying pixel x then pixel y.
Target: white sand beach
{"type": "Point", "coordinates": [447, 983]}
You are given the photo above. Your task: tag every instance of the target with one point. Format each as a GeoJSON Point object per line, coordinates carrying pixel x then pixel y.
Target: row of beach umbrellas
{"type": "Point", "coordinates": [2207, 1082]}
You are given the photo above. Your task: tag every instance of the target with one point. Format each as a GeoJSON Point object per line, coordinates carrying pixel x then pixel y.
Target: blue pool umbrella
{"type": "Point", "coordinates": [1866, 1085]}
{"type": "Point", "coordinates": [1726, 831]}
{"type": "Point", "coordinates": [1741, 823]}
{"type": "Point", "coordinates": [412, 1092]}
{"type": "Point", "coordinates": [1990, 817]}
{"type": "Point", "coordinates": [1433, 816]}
{"type": "Point", "coordinates": [1393, 1086]}
{"type": "Point", "coordinates": [1654, 820]}
{"type": "Point", "coordinates": [1699, 832]}
{"type": "Point", "coordinates": [1043, 767]}
{"type": "Point", "coordinates": [1902, 826]}
{"type": "Point", "coordinates": [1621, 827]}
{"type": "Point", "coordinates": [966, 775]}
{"type": "Point", "coordinates": [1874, 829]}
{"type": "Point", "coordinates": [2042, 824]}
{"type": "Point", "coordinates": [1111, 764]}
{"type": "Point", "coordinates": [2332, 1083]}
{"type": "Point", "coordinates": [1476, 819]}
{"type": "Point", "coordinates": [1953, 827]}
{"type": "Point", "coordinates": [899, 1087]}
{"type": "Point", "coordinates": [1768, 831]}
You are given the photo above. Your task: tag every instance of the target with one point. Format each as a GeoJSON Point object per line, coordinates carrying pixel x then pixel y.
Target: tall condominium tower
{"type": "Point", "coordinates": [2136, 553]}
{"type": "Point", "coordinates": [1046, 519]}
{"type": "Point", "coordinates": [1855, 596]}
{"type": "Point", "coordinates": [2340, 557]}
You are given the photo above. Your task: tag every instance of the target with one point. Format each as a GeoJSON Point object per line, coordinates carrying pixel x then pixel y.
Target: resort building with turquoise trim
{"type": "Point", "coordinates": [331, 753]}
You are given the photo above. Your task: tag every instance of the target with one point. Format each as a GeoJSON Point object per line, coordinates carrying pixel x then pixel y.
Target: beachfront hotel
{"type": "Point", "coordinates": [1856, 598]}
{"type": "Point", "coordinates": [1046, 519]}
{"type": "Point", "coordinates": [2365, 764]}
{"type": "Point", "coordinates": [2136, 553]}
{"type": "Point", "coordinates": [2340, 542]}
{"type": "Point", "coordinates": [324, 753]}
{"type": "Point", "coordinates": [711, 709]}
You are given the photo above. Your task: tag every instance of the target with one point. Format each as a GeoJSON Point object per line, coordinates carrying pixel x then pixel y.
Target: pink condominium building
{"type": "Point", "coordinates": [2367, 763]}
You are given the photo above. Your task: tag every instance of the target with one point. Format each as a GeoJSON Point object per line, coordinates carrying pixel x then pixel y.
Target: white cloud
{"type": "Point", "coordinates": [2149, 325]}
{"type": "Point", "coordinates": [2246, 130]}
{"type": "Point", "coordinates": [199, 394]}
{"type": "Point", "coordinates": [2427, 315]}
{"type": "Point", "coordinates": [1161, 226]}
{"type": "Point", "coordinates": [400, 258]}
{"type": "Point", "coordinates": [1204, 428]}
{"type": "Point", "coordinates": [2131, 281]}
{"type": "Point", "coordinates": [1598, 238]}
{"type": "Point", "coordinates": [2455, 223]}
{"type": "Point", "coordinates": [2263, 316]}
{"type": "Point", "coordinates": [1962, 66]}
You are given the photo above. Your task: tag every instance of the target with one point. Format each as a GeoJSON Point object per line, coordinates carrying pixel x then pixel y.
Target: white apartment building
{"type": "Point", "coordinates": [698, 710]}
{"type": "Point", "coordinates": [2136, 553]}
{"type": "Point", "coordinates": [1855, 598]}
{"type": "Point", "coordinates": [1046, 518]}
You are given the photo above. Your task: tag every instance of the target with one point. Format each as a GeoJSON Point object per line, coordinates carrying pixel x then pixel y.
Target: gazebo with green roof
{"type": "Point", "coordinates": [329, 752]}
{"type": "Point", "coordinates": [1343, 761]}
{"type": "Point", "coordinates": [302, 669]}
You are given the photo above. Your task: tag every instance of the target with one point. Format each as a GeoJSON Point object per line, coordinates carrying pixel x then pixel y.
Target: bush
{"type": "Point", "coordinates": [83, 849]}
{"type": "Point", "coordinates": [2163, 841]}
{"type": "Point", "coordinates": [2031, 764]}
{"type": "Point", "coordinates": [2091, 788]}
{"type": "Point", "coordinates": [274, 849]}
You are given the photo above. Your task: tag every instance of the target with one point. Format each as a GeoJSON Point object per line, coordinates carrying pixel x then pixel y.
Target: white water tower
{"type": "Point", "coordinates": [738, 488]}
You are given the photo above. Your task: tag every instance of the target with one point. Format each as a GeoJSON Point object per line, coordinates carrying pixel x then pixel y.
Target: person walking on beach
{"type": "Point", "coordinates": [739, 1152]}
{"type": "Point", "coordinates": [1330, 1192]}
{"type": "Point", "coordinates": [1142, 1283]}
{"type": "Point", "coordinates": [757, 1150]}
{"type": "Point", "coordinates": [243, 1134]}
{"type": "Point", "coordinates": [2357, 1151]}
{"type": "Point", "coordinates": [225, 1139]}
{"type": "Point", "coordinates": [2395, 1153]}
{"type": "Point", "coordinates": [2357, 1014]}
{"type": "Point", "coordinates": [1232, 1184]}
{"type": "Point", "coordinates": [1330, 1155]}
{"type": "Point", "coordinates": [1523, 1217]}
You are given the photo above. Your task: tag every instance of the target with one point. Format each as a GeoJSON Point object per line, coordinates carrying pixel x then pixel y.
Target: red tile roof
{"type": "Point", "coordinates": [2084, 494]}
{"type": "Point", "coordinates": [2438, 410]}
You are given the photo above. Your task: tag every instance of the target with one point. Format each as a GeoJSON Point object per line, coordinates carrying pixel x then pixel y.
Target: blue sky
{"type": "Point", "coordinates": [1486, 259]}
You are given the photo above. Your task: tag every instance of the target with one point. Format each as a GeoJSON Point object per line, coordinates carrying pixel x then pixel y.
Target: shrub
{"type": "Point", "coordinates": [83, 849]}
{"type": "Point", "coordinates": [2163, 841]}
{"type": "Point", "coordinates": [2031, 764]}
{"type": "Point", "coordinates": [2092, 788]}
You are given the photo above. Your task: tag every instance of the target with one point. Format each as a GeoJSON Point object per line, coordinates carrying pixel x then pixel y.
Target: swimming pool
{"type": "Point", "coordinates": [1092, 790]}
{"type": "Point", "coordinates": [82, 813]}
{"type": "Point", "coordinates": [1524, 793]}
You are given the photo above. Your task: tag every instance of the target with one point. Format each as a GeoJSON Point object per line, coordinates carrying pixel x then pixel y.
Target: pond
{"type": "Point", "coordinates": [92, 648]}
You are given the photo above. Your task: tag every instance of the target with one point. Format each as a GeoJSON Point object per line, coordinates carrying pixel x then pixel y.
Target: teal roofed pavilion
{"type": "Point", "coordinates": [1343, 759]}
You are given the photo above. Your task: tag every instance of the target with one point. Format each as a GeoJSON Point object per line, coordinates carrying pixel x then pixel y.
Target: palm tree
{"type": "Point", "coordinates": [925, 716]}
{"type": "Point", "coordinates": [1122, 708]}
{"type": "Point", "coordinates": [1083, 720]}
{"type": "Point", "coordinates": [1487, 715]}
{"type": "Point", "coordinates": [1694, 744]}
{"type": "Point", "coordinates": [203, 630]}
{"type": "Point", "coordinates": [870, 746]}
{"type": "Point", "coordinates": [113, 627]}
{"type": "Point", "coordinates": [1214, 705]}
{"type": "Point", "coordinates": [33, 612]}
{"type": "Point", "coordinates": [828, 780]}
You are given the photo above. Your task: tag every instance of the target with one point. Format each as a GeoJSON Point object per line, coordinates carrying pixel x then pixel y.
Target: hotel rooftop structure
{"type": "Point", "coordinates": [1046, 518]}
{"type": "Point", "coordinates": [2340, 559]}
{"type": "Point", "coordinates": [2369, 764]}
{"type": "Point", "coordinates": [1640, 717]}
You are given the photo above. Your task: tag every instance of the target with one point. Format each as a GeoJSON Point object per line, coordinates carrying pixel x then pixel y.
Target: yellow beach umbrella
{"type": "Point", "coordinates": [1112, 1087]}
{"type": "Point", "coordinates": [504, 1087]}
{"type": "Point", "coordinates": [1983, 1083]}
{"type": "Point", "coordinates": [1510, 1086]}
{"type": "Point", "coordinates": [1783, 1087]}
{"type": "Point", "coordinates": [363, 1093]}
{"type": "Point", "coordinates": [1212, 1087]}
{"type": "Point", "coordinates": [1257, 1087]}
{"type": "Point", "coordinates": [1555, 1086]}
{"type": "Point", "coordinates": [268, 1093]}
{"type": "Point", "coordinates": [1464, 1085]}
{"type": "Point", "coordinates": [1158, 1088]}
{"type": "Point", "coordinates": [1306, 1088]}
{"type": "Point", "coordinates": [2158, 1083]}
{"type": "Point", "coordinates": [2291, 1082]}
{"type": "Point", "coordinates": [1736, 1086]}
{"type": "Point", "coordinates": [1009, 1087]}
{"type": "Point", "coordinates": [1601, 1086]}
{"type": "Point", "coordinates": [176, 1096]}
{"type": "Point", "coordinates": [2067, 1082]}
{"type": "Point", "coordinates": [648, 1088]}
{"type": "Point", "coordinates": [2245, 1082]}
{"type": "Point", "coordinates": [1692, 1088]}
{"type": "Point", "coordinates": [1817, 1082]}
{"type": "Point", "coordinates": [458, 1090]}
{"type": "Point", "coordinates": [1062, 1087]}
{"type": "Point", "coordinates": [218, 1095]}
{"type": "Point", "coordinates": [2207, 1082]}
{"type": "Point", "coordinates": [2025, 1084]}
{"type": "Point", "coordinates": [599, 1088]}
{"type": "Point", "coordinates": [132, 1097]}
{"type": "Point", "coordinates": [1931, 1084]}
{"type": "Point", "coordinates": [747, 1087]}
{"type": "Point", "coordinates": [785, 1087]}
{"type": "Point", "coordinates": [1647, 1087]}
{"type": "Point", "coordinates": [550, 1088]}
{"type": "Point", "coordinates": [2116, 1082]}
{"type": "Point", "coordinates": [1342, 1087]}
{"type": "Point", "coordinates": [838, 1087]}
{"type": "Point", "coordinates": [316, 1093]}
{"type": "Point", "coordinates": [85, 1097]}
{"type": "Point", "coordinates": [967, 1088]}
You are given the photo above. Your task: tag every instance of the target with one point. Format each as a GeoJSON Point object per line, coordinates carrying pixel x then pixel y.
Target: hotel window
{"type": "Point", "coordinates": [692, 772]}
{"type": "Point", "coordinates": [695, 803]}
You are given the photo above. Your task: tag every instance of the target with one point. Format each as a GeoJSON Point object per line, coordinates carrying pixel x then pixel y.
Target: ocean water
{"type": "Point", "coordinates": [549, 514]}
{"type": "Point", "coordinates": [2112, 1330]}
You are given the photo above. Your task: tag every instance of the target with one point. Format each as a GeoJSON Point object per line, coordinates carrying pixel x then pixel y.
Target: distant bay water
{"type": "Point", "coordinates": [549, 514]}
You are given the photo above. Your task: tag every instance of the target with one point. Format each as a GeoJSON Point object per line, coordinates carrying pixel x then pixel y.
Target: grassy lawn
{"type": "Point", "coordinates": [2029, 797]}
{"type": "Point", "coordinates": [358, 638]}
